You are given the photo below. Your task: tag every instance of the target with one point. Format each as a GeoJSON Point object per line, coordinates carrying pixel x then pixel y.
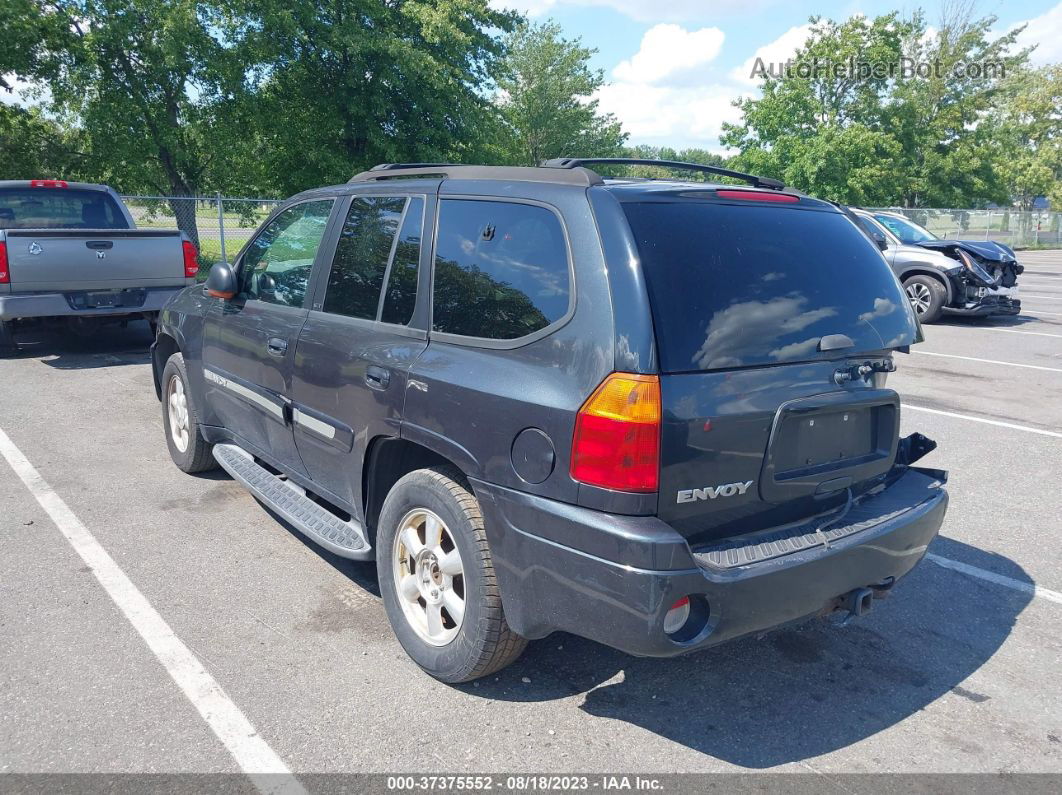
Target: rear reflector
{"type": "Point", "coordinates": [617, 435]}
{"type": "Point", "coordinates": [757, 196]}
{"type": "Point", "coordinates": [191, 261]}
{"type": "Point", "coordinates": [677, 616]}
{"type": "Point", "coordinates": [48, 183]}
{"type": "Point", "coordinates": [5, 274]}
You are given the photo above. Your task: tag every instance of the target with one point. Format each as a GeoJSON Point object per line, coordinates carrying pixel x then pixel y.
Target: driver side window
{"type": "Point", "coordinates": [277, 265]}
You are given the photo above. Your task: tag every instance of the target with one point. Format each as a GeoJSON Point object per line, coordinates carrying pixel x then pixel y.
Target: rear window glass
{"type": "Point", "coordinates": [58, 208]}
{"type": "Point", "coordinates": [739, 285]}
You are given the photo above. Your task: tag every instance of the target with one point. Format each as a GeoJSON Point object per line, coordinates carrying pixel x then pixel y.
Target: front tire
{"type": "Point", "coordinates": [927, 296]}
{"type": "Point", "coordinates": [437, 578]}
{"type": "Point", "coordinates": [188, 449]}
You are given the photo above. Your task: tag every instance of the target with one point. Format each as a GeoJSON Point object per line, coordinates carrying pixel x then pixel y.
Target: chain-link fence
{"type": "Point", "coordinates": [219, 225]}
{"type": "Point", "coordinates": [1018, 229]}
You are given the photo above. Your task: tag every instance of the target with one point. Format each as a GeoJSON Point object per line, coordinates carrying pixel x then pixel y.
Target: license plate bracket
{"type": "Point", "coordinates": [842, 437]}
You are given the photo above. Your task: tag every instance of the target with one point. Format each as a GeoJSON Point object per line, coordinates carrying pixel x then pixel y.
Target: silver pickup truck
{"type": "Point", "coordinates": [71, 250]}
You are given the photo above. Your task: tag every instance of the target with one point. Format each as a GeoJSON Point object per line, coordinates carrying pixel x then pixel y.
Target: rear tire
{"type": "Point", "coordinates": [437, 578]}
{"type": "Point", "coordinates": [8, 346]}
{"type": "Point", "coordinates": [927, 296]}
{"type": "Point", "coordinates": [188, 449]}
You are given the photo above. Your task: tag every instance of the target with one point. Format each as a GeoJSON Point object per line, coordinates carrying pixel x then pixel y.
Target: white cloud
{"type": "Point", "coordinates": [778, 51]}
{"type": "Point", "coordinates": [1044, 31]}
{"type": "Point", "coordinates": [673, 115]}
{"type": "Point", "coordinates": [665, 93]}
{"type": "Point", "coordinates": [669, 50]}
{"type": "Point", "coordinates": [640, 10]}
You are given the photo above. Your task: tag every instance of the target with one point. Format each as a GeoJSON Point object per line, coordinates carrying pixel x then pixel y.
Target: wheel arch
{"type": "Point", "coordinates": [165, 346]}
{"type": "Point", "coordinates": [933, 274]}
{"type": "Point", "coordinates": [387, 460]}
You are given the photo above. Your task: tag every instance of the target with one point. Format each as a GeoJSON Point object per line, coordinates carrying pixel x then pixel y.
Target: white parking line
{"type": "Point", "coordinates": [998, 579]}
{"type": "Point", "coordinates": [1037, 312]}
{"type": "Point", "coordinates": [1046, 297]}
{"type": "Point", "coordinates": [1013, 331]}
{"type": "Point", "coordinates": [251, 752]}
{"type": "Point", "coordinates": [985, 420]}
{"type": "Point", "coordinates": [988, 361]}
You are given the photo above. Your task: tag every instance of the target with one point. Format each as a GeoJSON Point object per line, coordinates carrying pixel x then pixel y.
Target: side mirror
{"type": "Point", "coordinates": [221, 282]}
{"type": "Point", "coordinates": [883, 244]}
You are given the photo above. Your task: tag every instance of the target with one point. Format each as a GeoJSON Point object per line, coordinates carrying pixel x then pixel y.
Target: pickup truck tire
{"type": "Point", "coordinates": [432, 559]}
{"type": "Point", "coordinates": [8, 346]}
{"type": "Point", "coordinates": [927, 296]}
{"type": "Point", "coordinates": [188, 449]}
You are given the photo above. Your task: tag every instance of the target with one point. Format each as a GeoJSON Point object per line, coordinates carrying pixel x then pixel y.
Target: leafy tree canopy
{"type": "Point", "coordinates": [546, 102]}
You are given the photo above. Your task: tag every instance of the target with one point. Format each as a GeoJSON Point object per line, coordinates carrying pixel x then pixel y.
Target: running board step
{"type": "Point", "coordinates": [346, 539]}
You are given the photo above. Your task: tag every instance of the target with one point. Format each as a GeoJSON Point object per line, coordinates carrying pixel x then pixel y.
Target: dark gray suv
{"type": "Point", "coordinates": [650, 413]}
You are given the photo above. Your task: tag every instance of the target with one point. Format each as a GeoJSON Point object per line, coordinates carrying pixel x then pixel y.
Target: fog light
{"type": "Point", "coordinates": [677, 615]}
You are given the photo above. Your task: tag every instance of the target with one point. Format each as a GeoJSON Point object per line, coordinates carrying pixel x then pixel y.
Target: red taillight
{"type": "Point", "coordinates": [5, 274]}
{"type": "Point", "coordinates": [48, 183]}
{"type": "Point", "coordinates": [191, 260]}
{"type": "Point", "coordinates": [757, 196]}
{"type": "Point", "coordinates": [617, 435]}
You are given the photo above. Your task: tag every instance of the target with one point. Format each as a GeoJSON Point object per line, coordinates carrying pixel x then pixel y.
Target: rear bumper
{"type": "Point", "coordinates": [63, 304]}
{"type": "Point", "coordinates": [613, 578]}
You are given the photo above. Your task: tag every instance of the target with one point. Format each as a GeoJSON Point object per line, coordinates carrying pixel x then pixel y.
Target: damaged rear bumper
{"type": "Point", "coordinates": [613, 578]}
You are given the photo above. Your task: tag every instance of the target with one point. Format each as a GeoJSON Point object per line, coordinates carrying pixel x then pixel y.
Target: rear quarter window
{"type": "Point", "coordinates": [501, 269]}
{"type": "Point", "coordinates": [744, 285]}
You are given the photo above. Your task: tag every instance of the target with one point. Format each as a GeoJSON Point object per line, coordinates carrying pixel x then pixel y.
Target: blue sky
{"type": "Point", "coordinates": [674, 66]}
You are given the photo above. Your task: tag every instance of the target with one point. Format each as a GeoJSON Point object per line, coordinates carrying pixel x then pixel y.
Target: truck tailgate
{"type": "Point", "coordinates": [94, 259]}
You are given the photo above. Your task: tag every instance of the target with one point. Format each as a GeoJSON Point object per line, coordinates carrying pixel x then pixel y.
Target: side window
{"type": "Point", "coordinates": [401, 294]}
{"type": "Point", "coordinates": [276, 267]}
{"type": "Point", "coordinates": [871, 229]}
{"type": "Point", "coordinates": [364, 249]}
{"type": "Point", "coordinates": [501, 269]}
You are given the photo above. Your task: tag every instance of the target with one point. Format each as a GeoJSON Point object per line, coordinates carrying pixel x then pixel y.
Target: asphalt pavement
{"type": "Point", "coordinates": [956, 672]}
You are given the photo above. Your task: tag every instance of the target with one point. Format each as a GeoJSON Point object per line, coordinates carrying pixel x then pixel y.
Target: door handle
{"type": "Point", "coordinates": [276, 346]}
{"type": "Point", "coordinates": [377, 377]}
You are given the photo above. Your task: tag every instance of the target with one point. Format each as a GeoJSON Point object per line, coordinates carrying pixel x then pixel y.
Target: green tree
{"type": "Point", "coordinates": [345, 84]}
{"type": "Point", "coordinates": [546, 102]}
{"type": "Point", "coordinates": [878, 136]}
{"type": "Point", "coordinates": [1027, 125]}
{"type": "Point", "coordinates": [143, 78]}
{"type": "Point", "coordinates": [949, 156]}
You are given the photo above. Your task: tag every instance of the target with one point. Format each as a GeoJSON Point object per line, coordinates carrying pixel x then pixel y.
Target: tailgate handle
{"type": "Point", "coordinates": [835, 342]}
{"type": "Point", "coordinates": [99, 245]}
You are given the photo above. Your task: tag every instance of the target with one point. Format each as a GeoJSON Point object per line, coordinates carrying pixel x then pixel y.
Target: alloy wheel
{"type": "Point", "coordinates": [429, 576]}
{"type": "Point", "coordinates": [177, 408]}
{"type": "Point", "coordinates": [919, 296]}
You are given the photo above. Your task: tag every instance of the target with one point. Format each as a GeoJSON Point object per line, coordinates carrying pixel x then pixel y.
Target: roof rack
{"type": "Point", "coordinates": [572, 176]}
{"type": "Point", "coordinates": [580, 162]}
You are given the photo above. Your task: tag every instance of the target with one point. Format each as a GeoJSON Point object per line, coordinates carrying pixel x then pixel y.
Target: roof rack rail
{"type": "Point", "coordinates": [572, 176]}
{"type": "Point", "coordinates": [751, 179]}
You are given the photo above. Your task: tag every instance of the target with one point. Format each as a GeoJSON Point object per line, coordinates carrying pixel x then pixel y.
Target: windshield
{"type": "Point", "coordinates": [908, 231]}
{"type": "Point", "coordinates": [58, 208]}
{"type": "Point", "coordinates": [741, 285]}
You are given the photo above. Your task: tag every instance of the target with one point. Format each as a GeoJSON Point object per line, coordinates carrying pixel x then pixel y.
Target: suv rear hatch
{"type": "Point", "coordinates": [775, 320]}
